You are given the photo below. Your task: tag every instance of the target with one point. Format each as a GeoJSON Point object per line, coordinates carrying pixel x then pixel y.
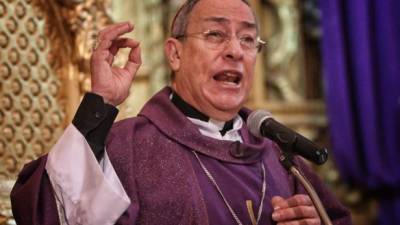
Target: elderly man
{"type": "Point", "coordinates": [187, 158]}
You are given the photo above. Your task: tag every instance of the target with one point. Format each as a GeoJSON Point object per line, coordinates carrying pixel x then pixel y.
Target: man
{"type": "Point", "coordinates": [187, 158]}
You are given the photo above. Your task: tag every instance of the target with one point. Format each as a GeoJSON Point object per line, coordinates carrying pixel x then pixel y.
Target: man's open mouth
{"type": "Point", "coordinates": [233, 77]}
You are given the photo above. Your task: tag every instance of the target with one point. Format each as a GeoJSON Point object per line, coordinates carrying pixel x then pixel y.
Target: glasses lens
{"type": "Point", "coordinates": [216, 39]}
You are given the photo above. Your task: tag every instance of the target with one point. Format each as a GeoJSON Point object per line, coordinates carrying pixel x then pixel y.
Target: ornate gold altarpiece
{"type": "Point", "coordinates": [44, 53]}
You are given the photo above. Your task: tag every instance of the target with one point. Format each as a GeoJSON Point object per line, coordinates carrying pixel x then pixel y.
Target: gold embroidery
{"type": "Point", "coordinates": [249, 205]}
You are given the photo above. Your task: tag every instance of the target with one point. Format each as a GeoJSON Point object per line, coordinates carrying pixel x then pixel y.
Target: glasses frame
{"type": "Point", "coordinates": [227, 38]}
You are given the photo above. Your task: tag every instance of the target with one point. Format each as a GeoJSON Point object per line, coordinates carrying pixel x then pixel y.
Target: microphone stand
{"type": "Point", "coordinates": [286, 160]}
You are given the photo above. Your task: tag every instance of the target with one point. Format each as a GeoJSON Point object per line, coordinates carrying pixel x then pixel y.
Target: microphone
{"type": "Point", "coordinates": [261, 124]}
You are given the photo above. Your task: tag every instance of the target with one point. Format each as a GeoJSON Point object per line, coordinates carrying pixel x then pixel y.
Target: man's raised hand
{"type": "Point", "coordinates": [113, 83]}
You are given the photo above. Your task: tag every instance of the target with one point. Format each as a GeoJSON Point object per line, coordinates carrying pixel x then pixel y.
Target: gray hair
{"type": "Point", "coordinates": [180, 22]}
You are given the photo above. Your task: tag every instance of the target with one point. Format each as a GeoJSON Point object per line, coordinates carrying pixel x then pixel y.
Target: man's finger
{"type": "Point", "coordinates": [109, 28]}
{"type": "Point", "coordinates": [296, 200]}
{"type": "Point", "coordinates": [299, 199]}
{"type": "Point", "coordinates": [102, 46]}
{"type": "Point", "coordinates": [120, 43]}
{"type": "Point", "coordinates": [108, 49]}
{"type": "Point", "coordinates": [277, 202]}
{"type": "Point", "coordinates": [134, 60]}
{"type": "Point", "coordinates": [295, 213]}
{"type": "Point", "coordinates": [114, 32]}
{"type": "Point", "coordinates": [109, 34]}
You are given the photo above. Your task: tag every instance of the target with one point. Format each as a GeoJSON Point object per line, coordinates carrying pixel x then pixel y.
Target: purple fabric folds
{"type": "Point", "coordinates": [32, 199]}
{"type": "Point", "coordinates": [361, 54]}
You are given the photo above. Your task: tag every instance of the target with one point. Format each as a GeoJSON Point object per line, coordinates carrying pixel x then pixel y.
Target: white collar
{"type": "Point", "coordinates": [212, 128]}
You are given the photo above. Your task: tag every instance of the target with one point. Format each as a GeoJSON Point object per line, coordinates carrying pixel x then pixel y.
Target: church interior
{"type": "Point", "coordinates": [45, 49]}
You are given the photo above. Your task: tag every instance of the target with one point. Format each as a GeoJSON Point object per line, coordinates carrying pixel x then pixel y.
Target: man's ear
{"type": "Point", "coordinates": [172, 48]}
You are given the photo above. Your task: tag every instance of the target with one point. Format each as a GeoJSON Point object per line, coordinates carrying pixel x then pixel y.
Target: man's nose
{"type": "Point", "coordinates": [233, 49]}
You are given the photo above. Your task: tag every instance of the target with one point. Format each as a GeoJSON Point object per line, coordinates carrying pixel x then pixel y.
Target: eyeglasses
{"type": "Point", "coordinates": [216, 39]}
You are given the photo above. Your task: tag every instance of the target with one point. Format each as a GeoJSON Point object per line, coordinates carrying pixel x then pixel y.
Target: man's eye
{"type": "Point", "coordinates": [249, 40]}
{"type": "Point", "coordinates": [215, 35]}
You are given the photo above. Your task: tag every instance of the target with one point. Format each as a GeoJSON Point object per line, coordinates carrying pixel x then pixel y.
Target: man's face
{"type": "Point", "coordinates": [216, 81]}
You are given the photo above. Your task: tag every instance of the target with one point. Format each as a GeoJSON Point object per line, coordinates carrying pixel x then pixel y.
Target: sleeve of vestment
{"type": "Point", "coordinates": [83, 188]}
{"type": "Point", "coordinates": [336, 211]}
{"type": "Point", "coordinates": [32, 198]}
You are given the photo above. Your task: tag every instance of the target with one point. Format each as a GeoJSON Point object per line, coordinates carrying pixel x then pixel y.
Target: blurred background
{"type": "Point", "coordinates": [331, 70]}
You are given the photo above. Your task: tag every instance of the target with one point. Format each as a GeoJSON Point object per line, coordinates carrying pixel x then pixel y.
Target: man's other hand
{"type": "Point", "coordinates": [113, 83]}
{"type": "Point", "coordinates": [296, 210]}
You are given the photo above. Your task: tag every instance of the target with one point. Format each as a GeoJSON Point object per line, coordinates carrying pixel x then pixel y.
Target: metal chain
{"type": "Point", "coordinates": [264, 185]}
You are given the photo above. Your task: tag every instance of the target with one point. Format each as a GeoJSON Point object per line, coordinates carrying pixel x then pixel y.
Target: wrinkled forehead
{"type": "Point", "coordinates": [223, 12]}
{"type": "Point", "coordinates": [225, 21]}
{"type": "Point", "coordinates": [213, 8]}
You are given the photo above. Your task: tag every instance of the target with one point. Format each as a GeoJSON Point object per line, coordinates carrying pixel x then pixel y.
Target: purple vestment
{"type": "Point", "coordinates": [152, 156]}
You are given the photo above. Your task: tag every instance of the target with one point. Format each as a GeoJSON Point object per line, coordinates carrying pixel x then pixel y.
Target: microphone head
{"type": "Point", "coordinates": [255, 119]}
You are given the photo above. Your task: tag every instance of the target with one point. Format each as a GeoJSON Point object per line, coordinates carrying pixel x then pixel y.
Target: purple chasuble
{"type": "Point", "coordinates": [152, 156]}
